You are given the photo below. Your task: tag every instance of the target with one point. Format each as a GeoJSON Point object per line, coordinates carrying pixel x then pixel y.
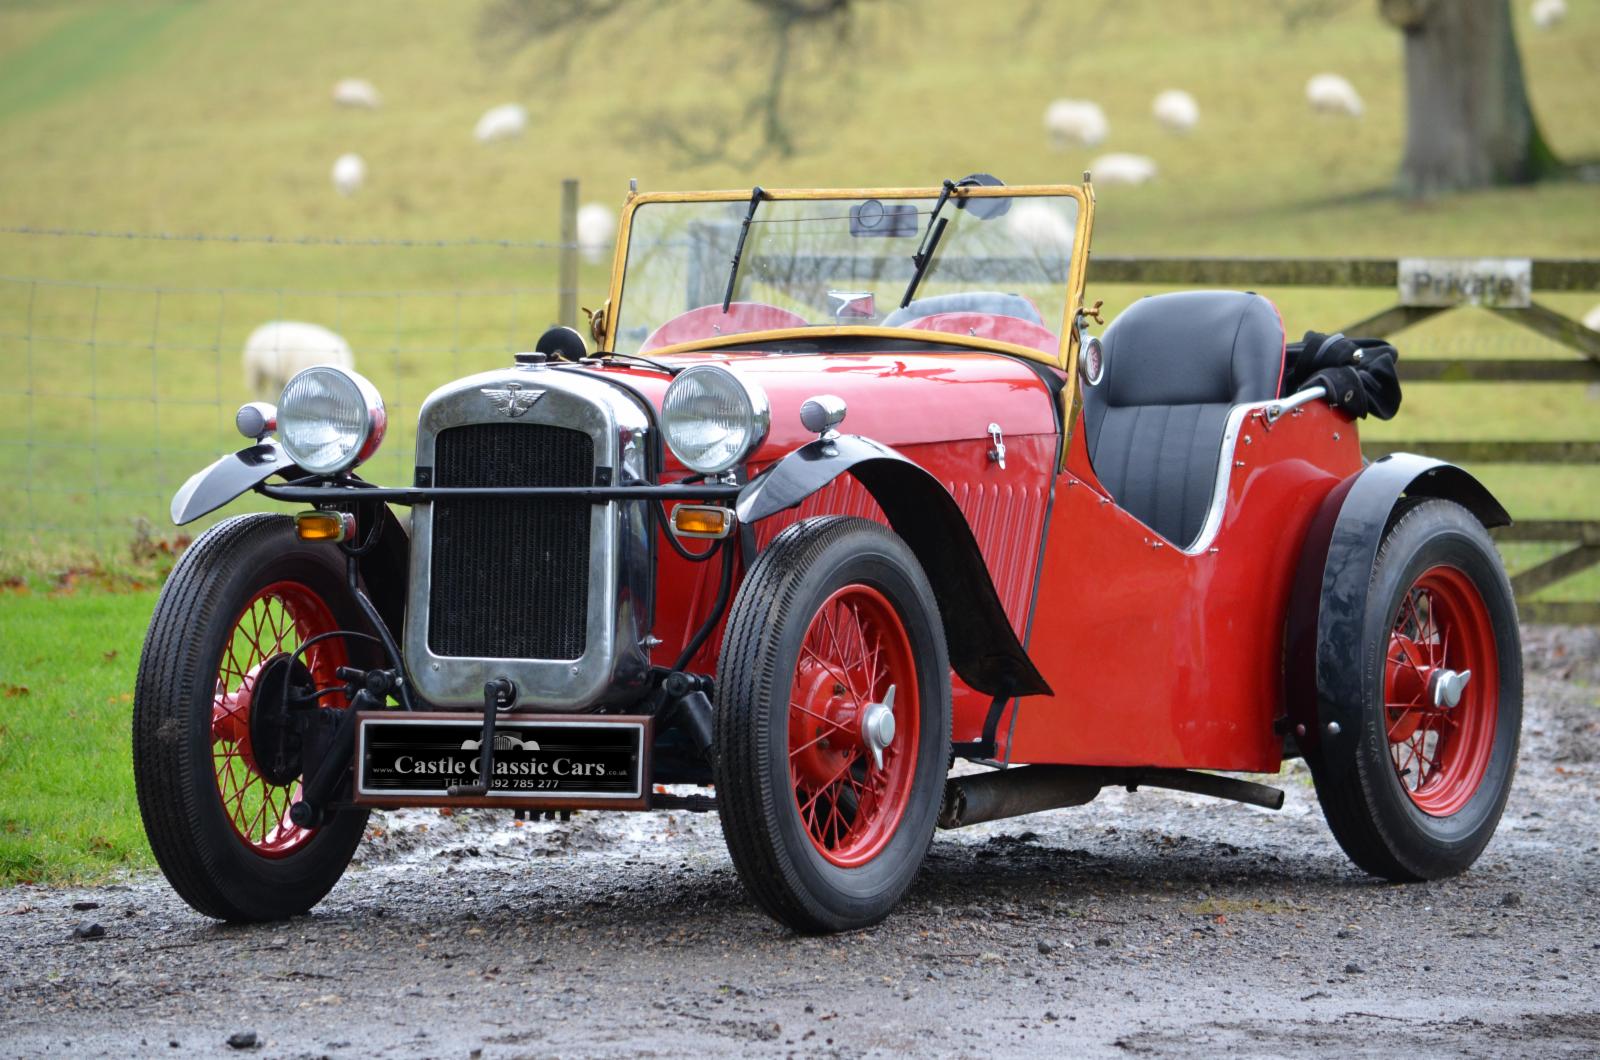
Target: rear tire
{"type": "Point", "coordinates": [1418, 794]}
{"type": "Point", "coordinates": [834, 614]}
{"type": "Point", "coordinates": [246, 590]}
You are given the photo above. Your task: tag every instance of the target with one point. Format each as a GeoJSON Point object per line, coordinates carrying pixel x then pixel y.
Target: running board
{"type": "Point", "coordinates": [1030, 789]}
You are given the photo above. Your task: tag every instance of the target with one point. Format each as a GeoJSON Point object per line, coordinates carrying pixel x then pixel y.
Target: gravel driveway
{"type": "Point", "coordinates": [1147, 924]}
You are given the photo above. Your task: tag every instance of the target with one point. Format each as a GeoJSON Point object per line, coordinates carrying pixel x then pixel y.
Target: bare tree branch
{"type": "Point", "coordinates": [507, 27]}
{"type": "Point", "coordinates": [1298, 13]}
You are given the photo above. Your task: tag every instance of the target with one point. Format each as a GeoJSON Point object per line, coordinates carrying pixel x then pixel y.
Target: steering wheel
{"type": "Point", "coordinates": [995, 326]}
{"type": "Point", "coordinates": [710, 321]}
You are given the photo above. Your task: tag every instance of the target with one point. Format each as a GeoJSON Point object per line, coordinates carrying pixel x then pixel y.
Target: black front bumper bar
{"type": "Point", "coordinates": [406, 495]}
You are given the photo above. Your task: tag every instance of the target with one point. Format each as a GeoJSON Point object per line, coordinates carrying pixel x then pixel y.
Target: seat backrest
{"type": "Point", "coordinates": [1174, 365]}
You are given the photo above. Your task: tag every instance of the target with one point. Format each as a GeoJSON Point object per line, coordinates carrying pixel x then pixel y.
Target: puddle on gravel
{"type": "Point", "coordinates": [1562, 725]}
{"type": "Point", "coordinates": [425, 835]}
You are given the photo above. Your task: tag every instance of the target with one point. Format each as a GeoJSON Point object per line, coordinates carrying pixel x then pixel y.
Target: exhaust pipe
{"type": "Point", "coordinates": [1014, 792]}
{"type": "Point", "coordinates": [1030, 789]}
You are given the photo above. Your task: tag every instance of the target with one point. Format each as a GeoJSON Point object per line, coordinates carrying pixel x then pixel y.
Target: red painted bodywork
{"type": "Point", "coordinates": [1001, 328]}
{"type": "Point", "coordinates": [709, 321]}
{"type": "Point", "coordinates": [1165, 659]}
{"type": "Point", "coordinates": [1157, 658]}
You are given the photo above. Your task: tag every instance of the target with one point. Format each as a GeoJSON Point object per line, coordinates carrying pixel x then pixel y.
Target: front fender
{"type": "Point", "coordinates": [1325, 685]}
{"type": "Point", "coordinates": [984, 649]}
{"type": "Point", "coordinates": [232, 475]}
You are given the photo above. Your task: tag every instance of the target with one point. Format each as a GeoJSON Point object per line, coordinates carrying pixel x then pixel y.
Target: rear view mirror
{"type": "Point", "coordinates": [874, 218]}
{"type": "Point", "coordinates": [983, 209]}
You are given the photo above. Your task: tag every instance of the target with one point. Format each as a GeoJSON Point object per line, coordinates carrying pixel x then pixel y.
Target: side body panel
{"type": "Point", "coordinates": [907, 402]}
{"type": "Point", "coordinates": [1160, 658]}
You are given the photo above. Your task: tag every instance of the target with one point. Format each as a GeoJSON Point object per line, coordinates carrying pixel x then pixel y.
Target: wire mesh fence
{"type": "Point", "coordinates": [112, 393]}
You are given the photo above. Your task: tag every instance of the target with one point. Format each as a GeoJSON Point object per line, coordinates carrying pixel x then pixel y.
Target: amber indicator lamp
{"type": "Point", "coordinates": [702, 520]}
{"type": "Point", "coordinates": [324, 526]}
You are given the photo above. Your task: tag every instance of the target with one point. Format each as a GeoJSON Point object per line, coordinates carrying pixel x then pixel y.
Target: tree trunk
{"type": "Point", "coordinates": [1468, 123]}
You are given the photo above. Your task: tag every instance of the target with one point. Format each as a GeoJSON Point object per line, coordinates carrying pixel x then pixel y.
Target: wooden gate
{"type": "Point", "coordinates": [1424, 289]}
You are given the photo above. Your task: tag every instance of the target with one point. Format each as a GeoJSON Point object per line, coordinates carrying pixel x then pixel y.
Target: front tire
{"type": "Point", "coordinates": [1419, 793]}
{"type": "Point", "coordinates": [246, 590]}
{"type": "Point", "coordinates": [834, 629]}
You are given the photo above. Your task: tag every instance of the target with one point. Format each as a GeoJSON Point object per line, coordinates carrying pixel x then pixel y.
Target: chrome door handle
{"type": "Point", "coordinates": [997, 448]}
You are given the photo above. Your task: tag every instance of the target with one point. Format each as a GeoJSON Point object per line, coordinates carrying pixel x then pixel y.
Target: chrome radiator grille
{"type": "Point", "coordinates": [510, 576]}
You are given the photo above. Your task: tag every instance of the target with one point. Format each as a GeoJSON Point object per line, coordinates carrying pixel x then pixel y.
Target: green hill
{"type": "Point", "coordinates": [217, 118]}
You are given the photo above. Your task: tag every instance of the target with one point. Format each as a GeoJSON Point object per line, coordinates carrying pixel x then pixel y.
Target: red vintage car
{"type": "Point", "coordinates": [843, 491]}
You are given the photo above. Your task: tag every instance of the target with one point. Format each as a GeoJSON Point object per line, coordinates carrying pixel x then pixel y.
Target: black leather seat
{"type": "Point", "coordinates": [1174, 365]}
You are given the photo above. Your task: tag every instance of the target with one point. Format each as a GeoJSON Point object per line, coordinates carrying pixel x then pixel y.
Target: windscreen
{"type": "Point", "coordinates": [988, 267]}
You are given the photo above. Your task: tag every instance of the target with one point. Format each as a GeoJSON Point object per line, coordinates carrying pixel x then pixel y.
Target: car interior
{"type": "Point", "coordinates": [1175, 364]}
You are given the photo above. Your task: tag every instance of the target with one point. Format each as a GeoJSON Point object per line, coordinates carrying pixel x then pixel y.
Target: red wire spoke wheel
{"type": "Point", "coordinates": [247, 592]}
{"type": "Point", "coordinates": [855, 663]}
{"type": "Point", "coordinates": [832, 720]}
{"type": "Point", "coordinates": [1417, 789]}
{"type": "Point", "coordinates": [278, 619]}
{"type": "Point", "coordinates": [1441, 731]}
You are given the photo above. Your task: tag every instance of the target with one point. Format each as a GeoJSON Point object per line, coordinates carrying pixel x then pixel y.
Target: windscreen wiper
{"type": "Point", "coordinates": [756, 195]}
{"type": "Point", "coordinates": [930, 242]}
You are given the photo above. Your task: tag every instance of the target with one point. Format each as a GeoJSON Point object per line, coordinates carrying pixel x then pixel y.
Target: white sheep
{"type": "Point", "coordinates": [1332, 94]}
{"type": "Point", "coordinates": [1075, 121]}
{"type": "Point", "coordinates": [349, 173]}
{"type": "Point", "coordinates": [275, 351]}
{"type": "Point", "coordinates": [357, 92]}
{"type": "Point", "coordinates": [597, 227]}
{"type": "Point", "coordinates": [1547, 14]}
{"type": "Point", "coordinates": [505, 122]}
{"type": "Point", "coordinates": [1119, 168]}
{"type": "Point", "coordinates": [1038, 226]}
{"type": "Point", "coordinates": [1176, 110]}
{"type": "Point", "coordinates": [1591, 319]}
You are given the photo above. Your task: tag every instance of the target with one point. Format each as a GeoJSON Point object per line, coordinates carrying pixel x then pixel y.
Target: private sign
{"type": "Point", "coordinates": [1501, 282]}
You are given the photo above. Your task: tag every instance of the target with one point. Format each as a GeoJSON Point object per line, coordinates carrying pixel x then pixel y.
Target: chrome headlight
{"type": "Point", "coordinates": [712, 419]}
{"type": "Point", "coordinates": [330, 419]}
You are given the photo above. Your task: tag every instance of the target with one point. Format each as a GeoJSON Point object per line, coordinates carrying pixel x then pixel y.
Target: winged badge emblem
{"type": "Point", "coordinates": [513, 400]}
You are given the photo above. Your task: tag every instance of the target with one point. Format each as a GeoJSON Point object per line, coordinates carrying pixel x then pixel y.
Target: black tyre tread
{"type": "Point", "coordinates": [170, 660]}
{"type": "Point", "coordinates": [748, 663]}
{"type": "Point", "coordinates": [159, 747]}
{"type": "Point", "coordinates": [1348, 806]}
{"type": "Point", "coordinates": [1360, 834]}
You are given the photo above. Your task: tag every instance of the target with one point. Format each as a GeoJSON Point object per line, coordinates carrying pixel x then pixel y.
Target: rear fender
{"type": "Point", "coordinates": [1324, 683]}
{"type": "Point", "coordinates": [984, 649]}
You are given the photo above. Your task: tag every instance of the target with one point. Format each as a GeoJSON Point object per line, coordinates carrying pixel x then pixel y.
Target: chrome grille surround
{"type": "Point", "coordinates": [615, 664]}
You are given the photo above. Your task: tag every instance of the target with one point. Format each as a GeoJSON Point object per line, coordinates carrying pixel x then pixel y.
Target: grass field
{"type": "Point", "coordinates": [119, 359]}
{"type": "Point", "coordinates": [119, 366]}
{"type": "Point", "coordinates": [66, 692]}
{"type": "Point", "coordinates": [187, 117]}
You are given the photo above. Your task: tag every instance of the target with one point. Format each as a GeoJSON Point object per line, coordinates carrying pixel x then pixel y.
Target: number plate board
{"type": "Point", "coordinates": [550, 760]}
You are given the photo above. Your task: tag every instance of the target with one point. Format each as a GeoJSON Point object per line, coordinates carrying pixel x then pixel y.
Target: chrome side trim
{"type": "Point", "coordinates": [1294, 401]}
{"type": "Point", "coordinates": [1237, 415]}
{"type": "Point", "coordinates": [614, 667]}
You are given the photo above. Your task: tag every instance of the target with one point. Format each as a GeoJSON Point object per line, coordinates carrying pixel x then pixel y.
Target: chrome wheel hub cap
{"type": "Point", "coordinates": [1448, 685]}
{"type": "Point", "coordinates": [877, 727]}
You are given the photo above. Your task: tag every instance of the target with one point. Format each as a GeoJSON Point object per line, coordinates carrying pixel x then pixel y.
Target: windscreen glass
{"type": "Point", "coordinates": [988, 267]}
